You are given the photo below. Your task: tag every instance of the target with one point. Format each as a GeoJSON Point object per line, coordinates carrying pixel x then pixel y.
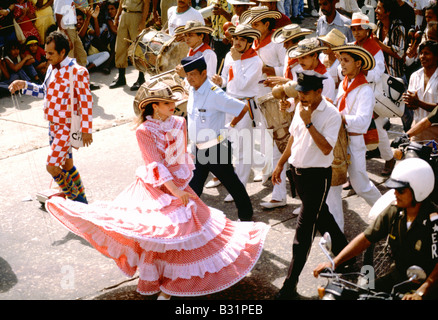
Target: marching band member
{"type": "Point", "coordinates": [362, 30]}
{"type": "Point", "coordinates": [355, 101]}
{"type": "Point", "coordinates": [195, 34]}
{"type": "Point", "coordinates": [241, 75]}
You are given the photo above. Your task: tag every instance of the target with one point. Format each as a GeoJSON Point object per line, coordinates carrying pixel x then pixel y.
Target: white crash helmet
{"type": "Point", "coordinates": [414, 173]}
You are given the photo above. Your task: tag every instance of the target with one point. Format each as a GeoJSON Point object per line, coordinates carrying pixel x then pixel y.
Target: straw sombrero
{"type": "Point", "coordinates": [368, 60]}
{"type": "Point", "coordinates": [289, 32]}
{"type": "Point", "coordinates": [158, 92]}
{"type": "Point", "coordinates": [255, 14]}
{"type": "Point", "coordinates": [193, 26]}
{"type": "Point", "coordinates": [361, 19]}
{"type": "Point", "coordinates": [334, 38]}
{"type": "Point", "coordinates": [244, 30]}
{"type": "Point", "coordinates": [305, 47]}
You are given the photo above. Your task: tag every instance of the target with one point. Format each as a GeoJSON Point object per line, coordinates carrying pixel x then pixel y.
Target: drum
{"type": "Point", "coordinates": [341, 158]}
{"type": "Point", "coordinates": [155, 52]}
{"type": "Point", "coordinates": [276, 120]}
{"type": "Point", "coordinates": [176, 83]}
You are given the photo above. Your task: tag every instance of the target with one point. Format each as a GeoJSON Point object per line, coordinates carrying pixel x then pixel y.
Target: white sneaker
{"type": "Point", "coordinates": [314, 13]}
{"type": "Point", "coordinates": [163, 296]}
{"type": "Point", "coordinates": [258, 178]}
{"type": "Point", "coordinates": [228, 198]}
{"type": "Point", "coordinates": [213, 183]}
{"type": "Point", "coordinates": [272, 205]}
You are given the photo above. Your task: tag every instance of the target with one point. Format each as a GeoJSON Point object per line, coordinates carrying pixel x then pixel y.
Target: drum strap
{"type": "Point", "coordinates": [251, 105]}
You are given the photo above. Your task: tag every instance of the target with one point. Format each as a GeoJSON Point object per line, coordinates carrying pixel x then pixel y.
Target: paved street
{"type": "Point", "coordinates": [40, 259]}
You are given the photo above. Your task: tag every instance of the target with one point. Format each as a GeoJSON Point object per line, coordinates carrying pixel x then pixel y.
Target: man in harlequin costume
{"type": "Point", "coordinates": [56, 93]}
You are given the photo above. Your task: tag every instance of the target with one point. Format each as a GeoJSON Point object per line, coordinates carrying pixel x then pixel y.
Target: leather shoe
{"type": "Point", "coordinates": [137, 84]}
{"type": "Point", "coordinates": [273, 204]}
{"type": "Point", "coordinates": [389, 166]}
{"type": "Point", "coordinates": [119, 82]}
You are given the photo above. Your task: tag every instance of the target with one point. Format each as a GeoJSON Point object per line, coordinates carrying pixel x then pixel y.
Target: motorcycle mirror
{"type": "Point", "coordinates": [416, 273]}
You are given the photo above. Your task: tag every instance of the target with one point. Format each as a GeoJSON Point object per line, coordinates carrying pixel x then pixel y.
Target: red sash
{"type": "Point", "coordinates": [320, 68]}
{"type": "Point", "coordinates": [246, 55]}
{"type": "Point", "coordinates": [260, 44]}
{"type": "Point", "coordinates": [371, 45]}
{"type": "Point", "coordinates": [200, 49]}
{"type": "Point", "coordinates": [358, 80]}
{"type": "Point", "coordinates": [288, 73]}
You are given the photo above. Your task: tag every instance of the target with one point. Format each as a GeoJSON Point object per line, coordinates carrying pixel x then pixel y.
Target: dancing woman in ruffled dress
{"type": "Point", "coordinates": [158, 225]}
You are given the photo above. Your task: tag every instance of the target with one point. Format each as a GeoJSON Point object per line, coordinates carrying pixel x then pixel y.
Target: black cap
{"type": "Point", "coordinates": [309, 80]}
{"type": "Point", "coordinates": [194, 62]}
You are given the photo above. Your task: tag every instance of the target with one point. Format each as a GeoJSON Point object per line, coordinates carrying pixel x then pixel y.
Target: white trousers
{"type": "Point", "coordinates": [384, 144]}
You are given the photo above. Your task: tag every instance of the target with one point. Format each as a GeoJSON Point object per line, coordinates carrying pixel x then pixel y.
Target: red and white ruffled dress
{"type": "Point", "coordinates": [180, 250]}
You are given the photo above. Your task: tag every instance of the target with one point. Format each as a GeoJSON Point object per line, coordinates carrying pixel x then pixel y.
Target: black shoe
{"type": "Point", "coordinates": [119, 82]}
{"type": "Point", "coordinates": [137, 84]}
{"type": "Point", "coordinates": [94, 87]}
{"type": "Point", "coordinates": [375, 153]}
{"type": "Point", "coordinates": [287, 294]}
{"type": "Point", "coordinates": [106, 70]}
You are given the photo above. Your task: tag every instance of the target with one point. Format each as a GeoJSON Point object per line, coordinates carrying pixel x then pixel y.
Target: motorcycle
{"type": "Point", "coordinates": [338, 287]}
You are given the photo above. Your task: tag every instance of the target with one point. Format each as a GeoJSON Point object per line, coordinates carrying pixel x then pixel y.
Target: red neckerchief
{"type": "Point", "coordinates": [358, 80]}
{"type": "Point", "coordinates": [200, 49]}
{"type": "Point", "coordinates": [246, 55]}
{"type": "Point", "coordinates": [371, 45]}
{"type": "Point", "coordinates": [320, 68]}
{"type": "Point", "coordinates": [260, 44]}
{"type": "Point", "coordinates": [290, 62]}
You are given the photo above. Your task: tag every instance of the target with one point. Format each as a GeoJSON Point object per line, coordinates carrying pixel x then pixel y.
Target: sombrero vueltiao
{"type": "Point", "coordinates": [193, 26]}
{"type": "Point", "coordinates": [156, 93]}
{"type": "Point", "coordinates": [361, 19]}
{"type": "Point", "coordinates": [255, 14]}
{"type": "Point", "coordinates": [368, 60]}
{"type": "Point", "coordinates": [305, 47]}
{"type": "Point", "coordinates": [244, 30]}
{"type": "Point", "coordinates": [289, 32]}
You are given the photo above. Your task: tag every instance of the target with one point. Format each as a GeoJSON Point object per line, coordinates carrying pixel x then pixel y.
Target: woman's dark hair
{"type": "Point", "coordinates": [390, 6]}
{"type": "Point", "coordinates": [148, 110]}
{"type": "Point", "coordinates": [12, 44]}
{"type": "Point", "coordinates": [434, 7]}
{"type": "Point", "coordinates": [60, 40]}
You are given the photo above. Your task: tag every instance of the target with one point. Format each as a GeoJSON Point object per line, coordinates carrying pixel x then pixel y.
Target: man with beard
{"type": "Point", "coordinates": [332, 19]}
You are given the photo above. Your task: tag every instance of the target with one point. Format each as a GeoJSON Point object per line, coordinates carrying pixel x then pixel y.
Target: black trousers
{"type": "Point", "coordinates": [312, 186]}
{"type": "Point", "coordinates": [218, 160]}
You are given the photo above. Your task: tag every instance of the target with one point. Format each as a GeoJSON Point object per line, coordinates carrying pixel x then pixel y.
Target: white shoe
{"type": "Point", "coordinates": [258, 178]}
{"type": "Point", "coordinates": [228, 198]}
{"type": "Point", "coordinates": [314, 13]}
{"type": "Point", "coordinates": [296, 211]}
{"type": "Point", "coordinates": [213, 183]}
{"type": "Point", "coordinates": [265, 180]}
{"type": "Point", "coordinates": [163, 296]}
{"type": "Point", "coordinates": [273, 204]}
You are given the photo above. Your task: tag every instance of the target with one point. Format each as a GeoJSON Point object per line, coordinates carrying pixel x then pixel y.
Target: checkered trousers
{"type": "Point", "coordinates": [60, 146]}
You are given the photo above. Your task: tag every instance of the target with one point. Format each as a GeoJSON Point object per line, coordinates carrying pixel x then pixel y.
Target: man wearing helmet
{"type": "Point", "coordinates": [411, 226]}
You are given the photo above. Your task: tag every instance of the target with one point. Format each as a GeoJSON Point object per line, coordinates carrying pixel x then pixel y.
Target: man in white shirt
{"type": "Point", "coordinates": [180, 14]}
{"type": "Point", "coordinates": [65, 14]}
{"type": "Point", "coordinates": [313, 135]}
{"type": "Point", "coordinates": [332, 19]}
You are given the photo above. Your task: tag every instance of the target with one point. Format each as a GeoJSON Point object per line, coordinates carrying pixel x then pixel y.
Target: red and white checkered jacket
{"type": "Point", "coordinates": [56, 94]}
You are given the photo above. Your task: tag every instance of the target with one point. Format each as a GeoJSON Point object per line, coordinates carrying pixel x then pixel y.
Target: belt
{"type": "Point", "coordinates": [251, 105]}
{"type": "Point", "coordinates": [130, 11]}
{"type": "Point", "coordinates": [211, 143]}
{"type": "Point", "coordinates": [354, 134]}
{"type": "Point", "coordinates": [301, 171]}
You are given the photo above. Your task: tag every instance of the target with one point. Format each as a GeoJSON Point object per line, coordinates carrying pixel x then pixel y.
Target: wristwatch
{"type": "Point", "coordinates": [420, 293]}
{"type": "Point", "coordinates": [309, 125]}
